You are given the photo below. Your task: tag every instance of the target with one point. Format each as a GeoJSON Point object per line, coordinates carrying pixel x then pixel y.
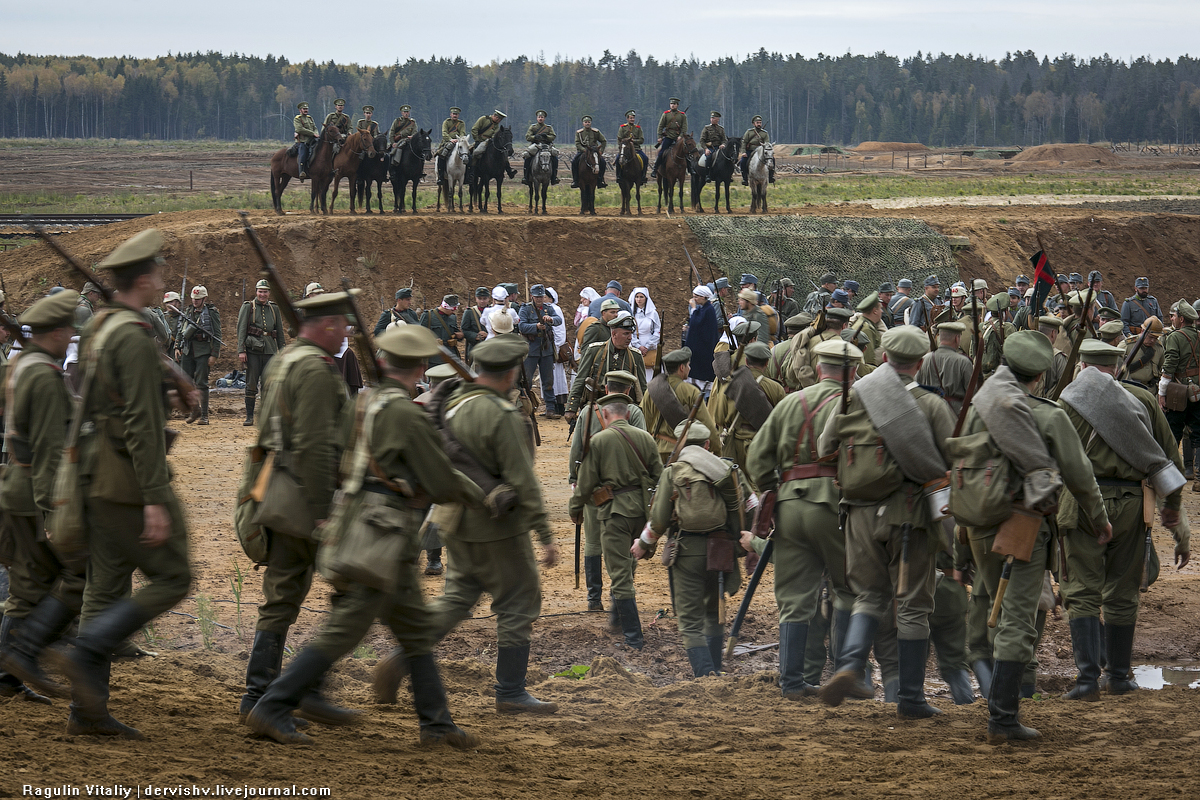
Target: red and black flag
{"type": "Point", "coordinates": [1043, 284]}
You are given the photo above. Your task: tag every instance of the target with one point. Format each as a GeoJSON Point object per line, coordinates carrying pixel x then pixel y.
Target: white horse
{"type": "Point", "coordinates": [456, 174]}
{"type": "Point", "coordinates": [759, 175]}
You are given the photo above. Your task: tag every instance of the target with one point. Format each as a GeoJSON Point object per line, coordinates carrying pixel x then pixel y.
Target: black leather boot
{"type": "Point", "coordinates": [429, 700]}
{"type": "Point", "coordinates": [984, 671]}
{"type": "Point", "coordinates": [716, 648]}
{"type": "Point", "coordinates": [433, 562]}
{"type": "Point", "coordinates": [1120, 654]}
{"type": "Point", "coordinates": [266, 660]}
{"type": "Point", "coordinates": [388, 674]}
{"type": "Point", "coordinates": [272, 714]}
{"type": "Point", "coordinates": [19, 657]}
{"type": "Point", "coordinates": [1004, 705]}
{"type": "Point", "coordinates": [701, 661]}
{"type": "Point", "coordinates": [574, 174]}
{"type": "Point", "coordinates": [911, 702]}
{"type": "Point", "coordinates": [960, 686]}
{"type": "Point", "coordinates": [79, 723]}
{"type": "Point", "coordinates": [852, 660]}
{"type": "Point", "coordinates": [631, 623]}
{"type": "Point", "coordinates": [525, 173]}
{"type": "Point", "coordinates": [593, 574]}
{"type": "Point", "coordinates": [315, 707]}
{"type": "Point", "coordinates": [203, 407]}
{"type": "Point", "coordinates": [11, 685]}
{"type": "Point", "coordinates": [793, 638]}
{"type": "Point", "coordinates": [249, 412]}
{"type": "Point", "coordinates": [512, 664]}
{"type": "Point", "coordinates": [1085, 642]}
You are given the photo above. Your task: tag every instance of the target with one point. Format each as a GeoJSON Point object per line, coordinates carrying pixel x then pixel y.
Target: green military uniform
{"type": "Point", "coordinates": [587, 139]}
{"type": "Point", "coordinates": [808, 538]}
{"type": "Point", "coordinates": [302, 421]}
{"type": "Point", "coordinates": [657, 426]}
{"type": "Point", "coordinates": [696, 586]}
{"type": "Point", "coordinates": [402, 129]}
{"type": "Point", "coordinates": [1181, 364]}
{"type": "Point", "coordinates": [738, 431]}
{"type": "Point", "coordinates": [444, 326]}
{"type": "Point", "coordinates": [172, 315]}
{"type": "Point", "coordinates": [948, 371]}
{"type": "Point", "coordinates": [631, 132]}
{"type": "Point", "coordinates": [1107, 577]}
{"type": "Point", "coordinates": [124, 478]}
{"type": "Point", "coordinates": [451, 129]}
{"type": "Point", "coordinates": [623, 460]}
{"type": "Point", "coordinates": [495, 555]}
{"type": "Point", "coordinates": [1147, 364]}
{"type": "Point", "coordinates": [597, 332]}
{"type": "Point", "coordinates": [472, 326]}
{"type": "Point", "coordinates": [371, 124]}
{"type": "Point", "coordinates": [867, 336]}
{"type": "Point", "coordinates": [84, 310]}
{"type": "Point", "coordinates": [672, 124]}
{"type": "Point", "coordinates": [483, 130]}
{"type": "Point", "coordinates": [305, 127]}
{"type": "Point", "coordinates": [995, 333]}
{"type": "Point", "coordinates": [752, 139]}
{"type": "Point", "coordinates": [948, 630]}
{"type": "Point", "coordinates": [790, 306]}
{"type": "Point", "coordinates": [198, 345]}
{"type": "Point", "coordinates": [338, 120]}
{"type": "Point", "coordinates": [407, 316]}
{"type": "Point", "coordinates": [712, 136]}
{"type": "Point", "coordinates": [540, 132]}
{"type": "Point", "coordinates": [754, 314]}
{"type": "Point", "coordinates": [600, 358]}
{"type": "Point", "coordinates": [259, 336]}
{"type": "Point", "coordinates": [162, 332]}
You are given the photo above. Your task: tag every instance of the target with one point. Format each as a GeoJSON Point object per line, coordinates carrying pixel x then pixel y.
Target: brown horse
{"type": "Point", "coordinates": [285, 166]}
{"type": "Point", "coordinates": [674, 170]}
{"type": "Point", "coordinates": [589, 177]}
{"type": "Point", "coordinates": [358, 145]}
{"type": "Point", "coordinates": [629, 165]}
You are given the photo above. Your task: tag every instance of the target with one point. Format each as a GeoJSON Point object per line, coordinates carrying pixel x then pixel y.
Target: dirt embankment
{"type": "Point", "coordinates": [1088, 153]}
{"type": "Point", "coordinates": [896, 147]}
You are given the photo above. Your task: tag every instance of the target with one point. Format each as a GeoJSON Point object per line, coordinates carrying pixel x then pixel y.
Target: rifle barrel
{"type": "Point", "coordinates": [366, 347]}
{"type": "Point", "coordinates": [269, 272]}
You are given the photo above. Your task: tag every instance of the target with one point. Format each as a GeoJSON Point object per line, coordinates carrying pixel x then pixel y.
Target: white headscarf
{"type": "Point", "coordinates": [589, 294]}
{"type": "Point", "coordinates": [650, 309]}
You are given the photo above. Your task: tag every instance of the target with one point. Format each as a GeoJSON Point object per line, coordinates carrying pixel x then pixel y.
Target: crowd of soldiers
{"type": "Point", "coordinates": [885, 450]}
{"type": "Point", "coordinates": [672, 125]}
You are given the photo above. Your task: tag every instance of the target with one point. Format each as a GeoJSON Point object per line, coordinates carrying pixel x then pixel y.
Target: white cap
{"type": "Point", "coordinates": [702, 291]}
{"type": "Point", "coordinates": [499, 294]}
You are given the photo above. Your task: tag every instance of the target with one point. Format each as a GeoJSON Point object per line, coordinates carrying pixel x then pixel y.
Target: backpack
{"type": "Point", "coordinates": [699, 507]}
{"type": "Point", "coordinates": [983, 481]}
{"type": "Point", "coordinates": [866, 470]}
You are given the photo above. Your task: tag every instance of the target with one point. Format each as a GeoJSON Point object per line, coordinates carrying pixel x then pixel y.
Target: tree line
{"type": "Point", "coordinates": [940, 101]}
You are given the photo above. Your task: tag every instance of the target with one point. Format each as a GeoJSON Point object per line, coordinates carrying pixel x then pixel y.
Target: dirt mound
{"type": "Point", "coordinates": [899, 147]}
{"type": "Point", "coordinates": [1069, 152]}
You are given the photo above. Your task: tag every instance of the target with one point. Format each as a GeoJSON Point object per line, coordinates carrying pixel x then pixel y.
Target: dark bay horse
{"type": "Point", "coordinates": [285, 166]}
{"type": "Point", "coordinates": [589, 177]}
{"type": "Point", "coordinates": [491, 166]}
{"type": "Point", "coordinates": [346, 164]}
{"type": "Point", "coordinates": [674, 170]}
{"type": "Point", "coordinates": [372, 171]}
{"type": "Point", "coordinates": [629, 165]}
{"type": "Point", "coordinates": [408, 166]}
{"type": "Point", "coordinates": [719, 171]}
{"type": "Point", "coordinates": [540, 173]}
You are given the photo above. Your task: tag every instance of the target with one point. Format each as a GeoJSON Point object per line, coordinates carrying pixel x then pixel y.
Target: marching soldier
{"type": "Point", "coordinates": [536, 322]}
{"type": "Point", "coordinates": [631, 131]}
{"type": "Point", "coordinates": [587, 138]}
{"type": "Point", "coordinates": [1051, 327]}
{"type": "Point", "coordinates": [946, 369]}
{"type": "Point", "coordinates": [712, 137]}
{"type": "Point", "coordinates": [1181, 365]}
{"type": "Point", "coordinates": [453, 129]}
{"type": "Point", "coordinates": [89, 296]}
{"type": "Point", "coordinates": [1103, 297]}
{"type": "Point", "coordinates": [740, 406]}
{"type": "Point", "coordinates": [995, 331]}
{"type": "Point", "coordinates": [44, 594]}
{"type": "Point", "coordinates": [541, 132]}
{"type": "Point", "coordinates": [371, 125]}
{"type": "Point", "coordinates": [304, 398]}
{"type": "Point", "coordinates": [1127, 457]}
{"type": "Point", "coordinates": [403, 128]}
{"type": "Point", "coordinates": [808, 539]}
{"type": "Point", "coordinates": [491, 550]}
{"type": "Point", "coordinates": [671, 125]}
{"type": "Point", "coordinates": [668, 401]}
{"type": "Point", "coordinates": [200, 346]}
{"type": "Point", "coordinates": [484, 129]}
{"type": "Point", "coordinates": [132, 516]}
{"type": "Point", "coordinates": [700, 504]}
{"type": "Point", "coordinates": [1146, 366]}
{"type": "Point", "coordinates": [867, 327]}
{"type": "Point", "coordinates": [442, 322]}
{"type": "Point", "coordinates": [1138, 306]}
{"type": "Point", "coordinates": [400, 312]}
{"type": "Point", "coordinates": [780, 353]}
{"type": "Point", "coordinates": [172, 313]}
{"type": "Point", "coordinates": [752, 139]}
{"type": "Point", "coordinates": [473, 329]}
{"type": "Point", "coordinates": [408, 472]}
{"type": "Point", "coordinates": [600, 358]}
{"type": "Point", "coordinates": [788, 305]}
{"type": "Point", "coordinates": [306, 134]}
{"type": "Point", "coordinates": [616, 475]}
{"type": "Point", "coordinates": [260, 336]}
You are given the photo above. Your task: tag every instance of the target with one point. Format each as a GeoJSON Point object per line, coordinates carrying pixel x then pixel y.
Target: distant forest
{"type": "Point", "coordinates": [941, 101]}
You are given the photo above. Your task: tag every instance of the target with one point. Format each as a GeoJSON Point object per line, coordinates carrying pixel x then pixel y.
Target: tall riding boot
{"type": "Point", "coordinates": [266, 660]}
{"type": "Point", "coordinates": [554, 170]}
{"type": "Point", "coordinates": [433, 561]}
{"type": "Point", "coordinates": [1189, 458]}
{"type": "Point", "coordinates": [433, 711]}
{"type": "Point", "coordinates": [89, 663]}
{"type": "Point", "coordinates": [249, 412]}
{"type": "Point", "coordinates": [315, 707]}
{"type": "Point", "coordinates": [388, 673]}
{"type": "Point", "coordinates": [852, 659]}
{"type": "Point", "coordinates": [960, 686]}
{"type": "Point", "coordinates": [631, 623]}
{"type": "Point", "coordinates": [512, 663]}
{"type": "Point", "coordinates": [984, 670]}
{"type": "Point", "coordinates": [574, 173]}
{"type": "Point", "coordinates": [1085, 642]}
{"type": "Point", "coordinates": [911, 702]}
{"type": "Point", "coordinates": [204, 406]}
{"type": "Point", "coordinates": [1120, 655]}
{"type": "Point", "coordinates": [770, 174]}
{"type": "Point", "coordinates": [602, 184]}
{"type": "Point", "coordinates": [11, 685]}
{"type": "Point", "coordinates": [793, 638]}
{"type": "Point", "coordinates": [593, 574]}
{"type": "Point", "coordinates": [525, 173]}
{"type": "Point", "coordinates": [1004, 705]}
{"type": "Point", "coordinates": [745, 173]}
{"type": "Point", "coordinates": [701, 660]}
{"type": "Point", "coordinates": [716, 648]}
{"type": "Point", "coordinates": [49, 620]}
{"type": "Point", "coordinates": [272, 714]}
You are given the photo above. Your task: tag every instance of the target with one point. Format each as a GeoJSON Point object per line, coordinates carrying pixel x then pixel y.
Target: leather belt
{"type": "Point", "coordinates": [1117, 482]}
{"type": "Point", "coordinates": [802, 472]}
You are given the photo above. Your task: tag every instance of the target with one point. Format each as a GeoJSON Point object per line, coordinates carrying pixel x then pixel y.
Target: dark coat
{"type": "Point", "coordinates": [702, 335]}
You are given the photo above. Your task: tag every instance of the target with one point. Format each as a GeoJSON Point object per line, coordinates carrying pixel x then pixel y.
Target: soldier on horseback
{"type": "Point", "coordinates": [485, 128]}
{"type": "Point", "coordinates": [306, 135]}
{"type": "Point", "coordinates": [403, 128]}
{"type": "Point", "coordinates": [671, 126]}
{"type": "Point", "coordinates": [372, 125]}
{"type": "Point", "coordinates": [540, 133]}
{"type": "Point", "coordinates": [754, 137]}
{"type": "Point", "coordinates": [338, 119]}
{"type": "Point", "coordinates": [453, 129]}
{"type": "Point", "coordinates": [712, 138]}
{"type": "Point", "coordinates": [586, 138]}
{"type": "Point", "coordinates": [631, 131]}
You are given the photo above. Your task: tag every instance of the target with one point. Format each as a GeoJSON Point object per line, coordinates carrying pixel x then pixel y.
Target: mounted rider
{"type": "Point", "coordinates": [754, 137]}
{"type": "Point", "coordinates": [403, 129]}
{"type": "Point", "coordinates": [453, 129]}
{"type": "Point", "coordinates": [671, 125]}
{"type": "Point", "coordinates": [585, 138]}
{"type": "Point", "coordinates": [306, 136]}
{"type": "Point", "coordinates": [540, 133]}
{"type": "Point", "coordinates": [631, 131]}
{"type": "Point", "coordinates": [338, 119]}
{"type": "Point", "coordinates": [485, 128]}
{"type": "Point", "coordinates": [372, 125]}
{"type": "Point", "coordinates": [712, 138]}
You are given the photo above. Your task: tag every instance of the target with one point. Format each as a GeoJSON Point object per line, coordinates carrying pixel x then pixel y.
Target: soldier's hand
{"type": "Point", "coordinates": [1170, 517]}
{"type": "Point", "coordinates": [479, 337]}
{"type": "Point", "coordinates": [178, 354]}
{"type": "Point", "coordinates": [570, 416]}
{"type": "Point", "coordinates": [747, 541]}
{"type": "Point", "coordinates": [156, 525]}
{"type": "Point", "coordinates": [640, 551]}
{"type": "Point", "coordinates": [212, 360]}
{"type": "Point", "coordinates": [549, 555]}
{"type": "Point", "coordinates": [1105, 534]}
{"type": "Point", "coordinates": [1162, 402]}
{"type": "Point", "coordinates": [242, 358]}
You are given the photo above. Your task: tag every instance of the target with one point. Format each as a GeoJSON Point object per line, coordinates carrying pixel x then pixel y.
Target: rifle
{"type": "Point", "coordinates": [1073, 357]}
{"type": "Point", "coordinates": [682, 440]}
{"type": "Point", "coordinates": [523, 384]}
{"type": "Point", "coordinates": [464, 372]}
{"type": "Point", "coordinates": [362, 339]}
{"type": "Point", "coordinates": [717, 296]}
{"type": "Point", "coordinates": [589, 391]}
{"type": "Point", "coordinates": [1137, 347]}
{"type": "Point", "coordinates": [278, 292]}
{"type": "Point", "coordinates": [176, 377]}
{"type": "Point", "coordinates": [751, 587]}
{"type": "Point", "coordinates": [184, 318]}
{"type": "Point", "coordinates": [976, 370]}
{"type": "Point", "coordinates": [13, 327]}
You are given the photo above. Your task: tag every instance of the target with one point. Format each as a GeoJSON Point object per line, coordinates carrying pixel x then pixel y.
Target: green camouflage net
{"type": "Point", "coordinates": [868, 250]}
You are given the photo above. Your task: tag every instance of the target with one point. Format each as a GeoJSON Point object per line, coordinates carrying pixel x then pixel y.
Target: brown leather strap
{"type": "Point", "coordinates": [807, 428]}
{"type": "Point", "coordinates": [804, 471]}
{"type": "Point", "coordinates": [632, 447]}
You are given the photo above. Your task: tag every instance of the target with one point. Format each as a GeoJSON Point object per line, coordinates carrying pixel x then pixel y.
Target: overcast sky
{"type": "Point", "coordinates": [381, 33]}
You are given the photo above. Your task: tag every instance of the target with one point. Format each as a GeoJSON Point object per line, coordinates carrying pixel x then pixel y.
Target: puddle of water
{"type": "Point", "coordinates": [1152, 676]}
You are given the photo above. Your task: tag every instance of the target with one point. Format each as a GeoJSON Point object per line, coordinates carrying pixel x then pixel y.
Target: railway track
{"type": "Point", "coordinates": [13, 225]}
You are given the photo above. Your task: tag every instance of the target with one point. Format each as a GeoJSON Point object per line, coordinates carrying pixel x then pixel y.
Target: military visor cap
{"type": "Point", "coordinates": [905, 343]}
{"type": "Point", "coordinates": [756, 118]}
{"type": "Point", "coordinates": [610, 305]}
{"type": "Point", "coordinates": [48, 313]}
{"type": "Point", "coordinates": [587, 118]}
{"type": "Point", "coordinates": [1028, 352]}
{"type": "Point", "coordinates": [758, 351]}
{"type": "Point", "coordinates": [339, 102]}
{"type": "Point", "coordinates": [499, 113]}
{"type": "Point", "coordinates": [455, 110]}
{"type": "Point", "coordinates": [541, 111]}
{"type": "Point", "coordinates": [623, 319]}
{"type": "Point", "coordinates": [716, 114]}
{"type": "Point", "coordinates": [614, 397]}
{"type": "Point", "coordinates": [537, 290]}
{"type": "Point", "coordinates": [951, 327]}
{"type": "Point", "coordinates": [798, 321]}
{"type": "Point", "coordinates": [828, 277]}
{"type": "Point", "coordinates": [631, 113]}
{"type": "Point", "coordinates": [328, 304]}
{"type": "Point", "coordinates": [887, 286]}
{"type": "Point", "coordinates": [302, 107]}
{"type": "Point", "coordinates": [1184, 309]}
{"type": "Point", "coordinates": [869, 302]}
{"type": "Point", "coordinates": [842, 314]}
{"type": "Point", "coordinates": [673, 100]}
{"type": "Point", "coordinates": [401, 294]}
{"type": "Point", "coordinates": [406, 107]}
{"type": "Point", "coordinates": [836, 351]}
{"type": "Point", "coordinates": [1141, 283]}
{"type": "Point", "coordinates": [439, 373]}
{"type": "Point", "coordinates": [134, 251]}
{"type": "Point", "coordinates": [678, 357]}
{"type": "Point", "coordinates": [450, 301]}
{"type": "Point", "coordinates": [483, 291]}
{"type": "Point", "coordinates": [368, 108]}
{"type": "Point", "coordinates": [1094, 351]}
{"type": "Point", "coordinates": [1053, 322]}
{"type": "Point", "coordinates": [697, 432]}
{"type": "Point", "coordinates": [500, 353]}
{"type": "Point", "coordinates": [997, 303]}
{"type": "Point", "coordinates": [408, 343]}
{"type": "Point", "coordinates": [619, 377]}
{"type": "Point", "coordinates": [261, 285]}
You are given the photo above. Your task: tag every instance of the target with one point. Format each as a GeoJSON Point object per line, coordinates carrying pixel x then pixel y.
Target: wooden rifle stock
{"type": "Point", "coordinates": [271, 275]}
{"type": "Point", "coordinates": [365, 347]}
{"type": "Point", "coordinates": [464, 372]}
{"type": "Point", "coordinates": [682, 441]}
{"type": "Point", "coordinates": [1137, 348]}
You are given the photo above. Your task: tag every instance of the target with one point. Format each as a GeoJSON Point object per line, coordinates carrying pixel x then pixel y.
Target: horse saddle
{"type": "Point", "coordinates": [294, 150]}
